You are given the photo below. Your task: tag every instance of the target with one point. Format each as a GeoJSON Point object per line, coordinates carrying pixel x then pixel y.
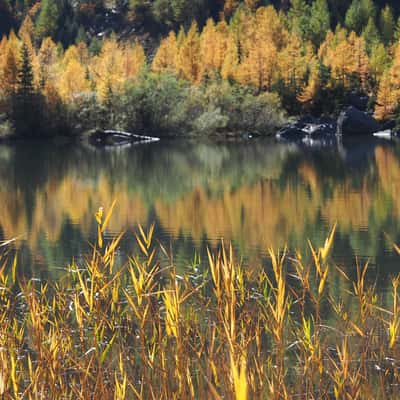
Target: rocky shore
{"type": "Point", "coordinates": [325, 130]}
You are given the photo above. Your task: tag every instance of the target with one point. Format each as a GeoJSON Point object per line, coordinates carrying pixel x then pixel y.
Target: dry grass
{"type": "Point", "coordinates": [140, 331]}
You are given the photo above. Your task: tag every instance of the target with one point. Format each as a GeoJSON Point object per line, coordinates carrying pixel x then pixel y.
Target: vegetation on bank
{"type": "Point", "coordinates": [232, 72]}
{"type": "Point", "coordinates": [133, 328]}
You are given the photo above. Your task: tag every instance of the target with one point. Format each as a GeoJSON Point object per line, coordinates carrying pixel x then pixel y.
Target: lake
{"type": "Point", "coordinates": [255, 193]}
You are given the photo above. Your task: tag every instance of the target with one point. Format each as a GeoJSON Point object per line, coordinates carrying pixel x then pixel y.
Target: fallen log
{"type": "Point", "coordinates": [115, 137]}
{"type": "Point", "coordinates": [131, 135]}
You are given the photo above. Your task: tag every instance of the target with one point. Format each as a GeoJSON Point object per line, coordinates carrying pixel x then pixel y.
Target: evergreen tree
{"type": "Point", "coordinates": [319, 21]}
{"type": "Point", "coordinates": [371, 35]}
{"type": "Point", "coordinates": [6, 19]}
{"type": "Point", "coordinates": [299, 18]}
{"type": "Point", "coordinates": [397, 30]}
{"type": "Point", "coordinates": [25, 88]}
{"type": "Point", "coordinates": [48, 19]}
{"type": "Point", "coordinates": [358, 14]}
{"type": "Point", "coordinates": [387, 25]}
{"type": "Point", "coordinates": [25, 115]}
{"type": "Point", "coordinates": [353, 19]}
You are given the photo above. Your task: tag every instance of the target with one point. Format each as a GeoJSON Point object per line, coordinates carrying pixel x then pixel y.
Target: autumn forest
{"type": "Point", "coordinates": [233, 67]}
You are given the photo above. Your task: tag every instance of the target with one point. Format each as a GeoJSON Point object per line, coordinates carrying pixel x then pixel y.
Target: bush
{"type": "Point", "coordinates": [164, 105]}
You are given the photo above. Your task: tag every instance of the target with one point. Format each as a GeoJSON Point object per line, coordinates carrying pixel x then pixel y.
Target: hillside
{"type": "Point", "coordinates": [70, 20]}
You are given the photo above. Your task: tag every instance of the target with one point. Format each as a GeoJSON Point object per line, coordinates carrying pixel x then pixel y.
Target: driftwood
{"type": "Point", "coordinates": [114, 137]}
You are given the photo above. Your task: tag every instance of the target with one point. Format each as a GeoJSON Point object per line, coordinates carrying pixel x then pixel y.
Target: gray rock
{"type": "Point", "coordinates": [355, 122]}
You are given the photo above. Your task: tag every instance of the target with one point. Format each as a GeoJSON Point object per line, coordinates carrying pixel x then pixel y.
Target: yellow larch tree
{"type": "Point", "coordinates": [340, 58]}
{"type": "Point", "coordinates": [9, 63]}
{"type": "Point", "coordinates": [9, 72]}
{"type": "Point", "coordinates": [231, 61]}
{"type": "Point", "coordinates": [106, 69]}
{"type": "Point", "coordinates": [26, 34]}
{"type": "Point", "coordinates": [207, 48]}
{"type": "Point", "coordinates": [270, 26]}
{"type": "Point", "coordinates": [221, 44]}
{"type": "Point", "coordinates": [166, 55]}
{"type": "Point", "coordinates": [360, 59]}
{"type": "Point", "coordinates": [70, 54]}
{"type": "Point", "coordinates": [72, 80]}
{"type": "Point", "coordinates": [292, 64]}
{"type": "Point", "coordinates": [379, 61]}
{"type": "Point", "coordinates": [3, 53]}
{"type": "Point", "coordinates": [133, 59]}
{"type": "Point", "coordinates": [213, 47]}
{"type": "Point", "coordinates": [47, 60]}
{"type": "Point", "coordinates": [258, 68]}
{"type": "Point", "coordinates": [310, 90]}
{"type": "Point", "coordinates": [189, 56]}
{"type": "Point", "coordinates": [395, 67]}
{"type": "Point", "coordinates": [83, 53]}
{"type": "Point", "coordinates": [387, 98]}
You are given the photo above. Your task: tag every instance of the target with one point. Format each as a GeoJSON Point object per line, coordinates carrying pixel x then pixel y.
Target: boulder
{"type": "Point", "coordinates": [358, 101]}
{"type": "Point", "coordinates": [355, 122]}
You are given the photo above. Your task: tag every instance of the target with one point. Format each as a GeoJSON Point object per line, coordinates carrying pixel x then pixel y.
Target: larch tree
{"type": "Point", "coordinates": [189, 56]}
{"type": "Point", "coordinates": [73, 81]}
{"type": "Point", "coordinates": [361, 60]}
{"type": "Point", "coordinates": [27, 32]}
{"type": "Point", "coordinates": [387, 98]}
{"type": "Point", "coordinates": [208, 48]}
{"type": "Point", "coordinates": [47, 60]}
{"type": "Point", "coordinates": [213, 46]}
{"type": "Point", "coordinates": [107, 69]}
{"type": "Point", "coordinates": [378, 62]}
{"type": "Point", "coordinates": [9, 73]}
{"type": "Point", "coordinates": [221, 44]}
{"type": "Point", "coordinates": [231, 62]}
{"type": "Point", "coordinates": [292, 66]}
{"type": "Point", "coordinates": [166, 55]}
{"type": "Point", "coordinates": [133, 59]}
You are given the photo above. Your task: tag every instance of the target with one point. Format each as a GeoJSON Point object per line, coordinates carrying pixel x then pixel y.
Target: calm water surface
{"type": "Point", "coordinates": [255, 194]}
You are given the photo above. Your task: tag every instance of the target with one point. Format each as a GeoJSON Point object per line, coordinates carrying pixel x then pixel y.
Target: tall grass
{"type": "Point", "coordinates": [141, 331]}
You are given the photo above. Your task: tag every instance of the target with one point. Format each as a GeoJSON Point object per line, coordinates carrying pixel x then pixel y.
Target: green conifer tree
{"type": "Point", "coordinates": [299, 18]}
{"type": "Point", "coordinates": [358, 14]}
{"type": "Point", "coordinates": [25, 107]}
{"type": "Point", "coordinates": [371, 35]}
{"type": "Point", "coordinates": [48, 19]}
{"type": "Point", "coordinates": [387, 25]}
{"type": "Point", "coordinates": [319, 21]}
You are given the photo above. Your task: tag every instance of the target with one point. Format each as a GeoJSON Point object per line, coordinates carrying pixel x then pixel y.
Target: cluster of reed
{"type": "Point", "coordinates": [141, 331]}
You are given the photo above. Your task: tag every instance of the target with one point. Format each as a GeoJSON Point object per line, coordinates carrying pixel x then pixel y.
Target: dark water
{"type": "Point", "coordinates": [254, 193]}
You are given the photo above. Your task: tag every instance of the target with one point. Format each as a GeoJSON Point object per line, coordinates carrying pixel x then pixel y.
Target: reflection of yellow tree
{"type": "Point", "coordinates": [259, 215]}
{"type": "Point", "coordinates": [58, 201]}
{"type": "Point", "coordinates": [389, 175]}
{"type": "Point", "coordinates": [267, 212]}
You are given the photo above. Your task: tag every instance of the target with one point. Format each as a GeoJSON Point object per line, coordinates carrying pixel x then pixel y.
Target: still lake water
{"type": "Point", "coordinates": [255, 193]}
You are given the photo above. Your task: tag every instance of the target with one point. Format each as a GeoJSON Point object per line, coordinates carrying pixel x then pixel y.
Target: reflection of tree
{"type": "Point", "coordinates": [256, 194]}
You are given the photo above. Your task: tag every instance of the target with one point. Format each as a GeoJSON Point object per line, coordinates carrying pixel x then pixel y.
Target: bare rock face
{"type": "Point", "coordinates": [355, 122]}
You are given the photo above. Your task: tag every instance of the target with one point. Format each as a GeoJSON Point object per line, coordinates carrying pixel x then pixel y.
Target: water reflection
{"type": "Point", "coordinates": [255, 194]}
